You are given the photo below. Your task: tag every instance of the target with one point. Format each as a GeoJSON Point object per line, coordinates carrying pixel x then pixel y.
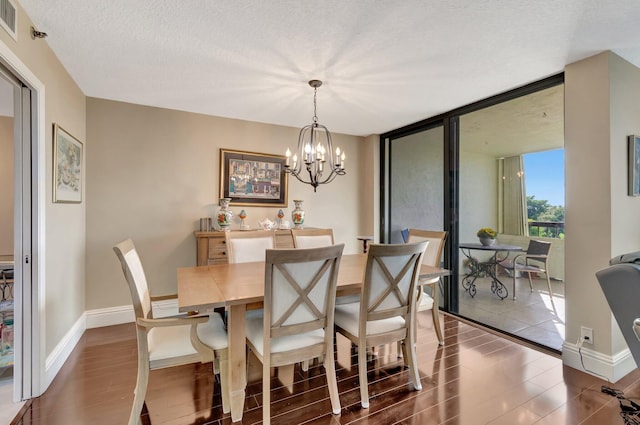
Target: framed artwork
{"type": "Point", "coordinates": [253, 179]}
{"type": "Point", "coordinates": [634, 165]}
{"type": "Point", "coordinates": [67, 167]}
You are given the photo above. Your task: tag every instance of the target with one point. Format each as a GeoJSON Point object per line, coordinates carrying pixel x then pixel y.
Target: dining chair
{"type": "Point", "coordinates": [533, 261]}
{"type": "Point", "coordinates": [432, 257]}
{"type": "Point", "coordinates": [299, 300]}
{"type": "Point", "coordinates": [248, 246]}
{"type": "Point", "coordinates": [169, 341]}
{"type": "Point", "coordinates": [312, 238]}
{"type": "Point", "coordinates": [385, 313]}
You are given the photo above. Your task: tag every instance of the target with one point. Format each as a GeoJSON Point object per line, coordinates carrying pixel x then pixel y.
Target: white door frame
{"type": "Point", "coordinates": [29, 364]}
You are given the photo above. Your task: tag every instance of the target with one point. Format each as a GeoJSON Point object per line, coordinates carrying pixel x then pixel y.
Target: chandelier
{"type": "Point", "coordinates": [314, 162]}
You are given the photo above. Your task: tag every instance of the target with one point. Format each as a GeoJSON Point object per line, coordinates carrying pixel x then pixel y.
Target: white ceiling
{"type": "Point", "coordinates": [385, 63]}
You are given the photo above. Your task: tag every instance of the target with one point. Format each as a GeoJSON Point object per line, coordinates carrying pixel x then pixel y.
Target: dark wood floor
{"type": "Point", "coordinates": [476, 378]}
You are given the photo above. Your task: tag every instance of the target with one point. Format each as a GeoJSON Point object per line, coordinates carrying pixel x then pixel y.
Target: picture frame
{"type": "Point", "coordinates": [68, 160]}
{"type": "Point", "coordinates": [634, 165]}
{"type": "Point", "coordinates": [253, 179]}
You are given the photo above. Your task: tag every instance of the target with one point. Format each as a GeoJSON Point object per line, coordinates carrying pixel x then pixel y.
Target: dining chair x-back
{"type": "Point", "coordinates": [297, 325]}
{"type": "Point", "coordinates": [385, 313]}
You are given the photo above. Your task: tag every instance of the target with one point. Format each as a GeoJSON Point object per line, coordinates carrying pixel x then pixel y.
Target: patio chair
{"type": "Point", "coordinates": [533, 261]}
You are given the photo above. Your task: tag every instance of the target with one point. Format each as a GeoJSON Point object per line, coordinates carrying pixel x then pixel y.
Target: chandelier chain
{"type": "Point", "coordinates": [315, 113]}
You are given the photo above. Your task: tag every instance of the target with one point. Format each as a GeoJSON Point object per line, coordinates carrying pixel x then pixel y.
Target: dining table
{"type": "Point", "coordinates": [240, 286]}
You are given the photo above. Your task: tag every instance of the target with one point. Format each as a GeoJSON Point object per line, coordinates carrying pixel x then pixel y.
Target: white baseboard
{"type": "Point", "coordinates": [109, 316]}
{"type": "Point", "coordinates": [612, 368]}
{"type": "Point", "coordinates": [124, 314]}
{"type": "Point", "coordinates": [62, 351]}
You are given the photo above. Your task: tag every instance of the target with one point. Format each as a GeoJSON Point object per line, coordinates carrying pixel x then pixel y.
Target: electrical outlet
{"type": "Point", "coordinates": [586, 334]}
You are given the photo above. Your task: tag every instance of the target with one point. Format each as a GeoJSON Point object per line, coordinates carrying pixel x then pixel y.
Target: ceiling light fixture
{"type": "Point", "coordinates": [314, 150]}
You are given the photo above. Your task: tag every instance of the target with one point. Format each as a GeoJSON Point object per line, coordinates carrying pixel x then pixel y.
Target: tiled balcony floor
{"type": "Point", "coordinates": [532, 315]}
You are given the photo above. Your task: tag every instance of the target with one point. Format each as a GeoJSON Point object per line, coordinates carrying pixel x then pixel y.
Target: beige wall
{"type": "Point", "coordinates": [601, 109]}
{"type": "Point", "coordinates": [151, 173]}
{"type": "Point", "coordinates": [65, 223]}
{"type": "Point", "coordinates": [6, 185]}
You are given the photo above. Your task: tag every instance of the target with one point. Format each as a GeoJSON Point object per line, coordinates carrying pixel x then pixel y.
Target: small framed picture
{"type": "Point", "coordinates": [253, 179]}
{"type": "Point", "coordinates": [67, 167]}
{"type": "Point", "coordinates": [634, 165]}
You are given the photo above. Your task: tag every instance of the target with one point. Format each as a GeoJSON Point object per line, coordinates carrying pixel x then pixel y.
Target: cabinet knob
{"type": "Point", "coordinates": [224, 241]}
{"type": "Point", "coordinates": [224, 253]}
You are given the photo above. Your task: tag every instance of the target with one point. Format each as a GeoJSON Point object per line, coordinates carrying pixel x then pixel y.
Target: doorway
{"type": "Point", "coordinates": [26, 93]}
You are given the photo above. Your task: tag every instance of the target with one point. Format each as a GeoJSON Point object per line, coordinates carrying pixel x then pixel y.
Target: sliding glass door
{"type": "Point", "coordinates": [416, 188]}
{"type": "Point", "coordinates": [468, 169]}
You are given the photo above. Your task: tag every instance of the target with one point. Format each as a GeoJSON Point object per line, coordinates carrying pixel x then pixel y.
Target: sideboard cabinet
{"type": "Point", "coordinates": [212, 248]}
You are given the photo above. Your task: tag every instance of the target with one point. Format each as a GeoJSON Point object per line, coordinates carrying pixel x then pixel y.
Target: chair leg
{"type": "Point", "coordinates": [530, 282]}
{"type": "Point", "coordinates": [362, 369]}
{"type": "Point", "coordinates": [304, 365]}
{"type": "Point", "coordinates": [412, 362]}
{"type": "Point", "coordinates": [549, 284]}
{"type": "Point", "coordinates": [266, 392]}
{"type": "Point", "coordinates": [224, 381]}
{"type": "Point", "coordinates": [436, 324]}
{"type": "Point", "coordinates": [332, 383]}
{"type": "Point", "coordinates": [515, 274]}
{"type": "Point", "coordinates": [140, 391]}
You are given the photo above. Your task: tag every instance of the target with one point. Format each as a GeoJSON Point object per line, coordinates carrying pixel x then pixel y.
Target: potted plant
{"type": "Point", "coordinates": [487, 236]}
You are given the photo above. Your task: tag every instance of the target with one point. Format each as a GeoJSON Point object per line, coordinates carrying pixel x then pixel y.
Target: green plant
{"type": "Point", "coordinates": [487, 232]}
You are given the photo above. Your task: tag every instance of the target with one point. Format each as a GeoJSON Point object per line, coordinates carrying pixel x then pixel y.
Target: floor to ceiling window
{"type": "Point", "coordinates": [468, 169]}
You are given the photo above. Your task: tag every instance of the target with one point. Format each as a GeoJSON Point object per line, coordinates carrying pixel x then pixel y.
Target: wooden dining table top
{"type": "Point", "coordinates": [223, 285]}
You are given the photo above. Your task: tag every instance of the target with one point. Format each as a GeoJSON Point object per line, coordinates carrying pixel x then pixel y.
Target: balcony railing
{"type": "Point", "coordinates": [549, 229]}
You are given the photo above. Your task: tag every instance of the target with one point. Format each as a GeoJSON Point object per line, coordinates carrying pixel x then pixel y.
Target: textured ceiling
{"type": "Point", "coordinates": [385, 64]}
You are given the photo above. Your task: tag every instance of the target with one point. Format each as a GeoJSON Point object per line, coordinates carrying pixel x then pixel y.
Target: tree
{"type": "Point", "coordinates": [537, 207]}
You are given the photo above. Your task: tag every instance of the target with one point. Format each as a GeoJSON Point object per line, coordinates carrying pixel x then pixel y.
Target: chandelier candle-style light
{"type": "Point", "coordinates": [315, 153]}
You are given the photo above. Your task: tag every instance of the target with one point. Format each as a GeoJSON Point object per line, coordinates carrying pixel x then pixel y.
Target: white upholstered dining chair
{"type": "Point", "coordinates": [385, 313]}
{"type": "Point", "coordinates": [299, 299]}
{"type": "Point", "coordinates": [169, 341]}
{"type": "Point", "coordinates": [432, 257]}
{"type": "Point", "coordinates": [312, 238]}
{"type": "Point", "coordinates": [248, 246]}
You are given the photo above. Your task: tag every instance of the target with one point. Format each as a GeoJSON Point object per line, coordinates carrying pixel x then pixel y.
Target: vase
{"type": "Point", "coordinates": [297, 215]}
{"type": "Point", "coordinates": [224, 215]}
{"type": "Point", "coordinates": [487, 241]}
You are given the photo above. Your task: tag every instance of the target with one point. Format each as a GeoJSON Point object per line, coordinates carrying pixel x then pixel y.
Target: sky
{"type": "Point", "coordinates": [544, 176]}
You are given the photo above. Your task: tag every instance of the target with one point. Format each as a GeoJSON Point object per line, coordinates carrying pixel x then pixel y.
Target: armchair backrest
{"type": "Point", "coordinates": [389, 287]}
{"type": "Point", "coordinates": [300, 289]}
{"type": "Point", "coordinates": [248, 246]}
{"type": "Point", "coordinates": [538, 247]}
{"type": "Point", "coordinates": [312, 238]}
{"type": "Point", "coordinates": [134, 274]}
{"type": "Point", "coordinates": [436, 239]}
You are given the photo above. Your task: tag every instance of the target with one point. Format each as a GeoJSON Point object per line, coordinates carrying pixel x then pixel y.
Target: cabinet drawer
{"type": "Point", "coordinates": [217, 251]}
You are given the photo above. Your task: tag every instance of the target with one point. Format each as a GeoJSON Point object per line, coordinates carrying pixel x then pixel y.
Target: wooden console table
{"type": "Point", "coordinates": [212, 248]}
